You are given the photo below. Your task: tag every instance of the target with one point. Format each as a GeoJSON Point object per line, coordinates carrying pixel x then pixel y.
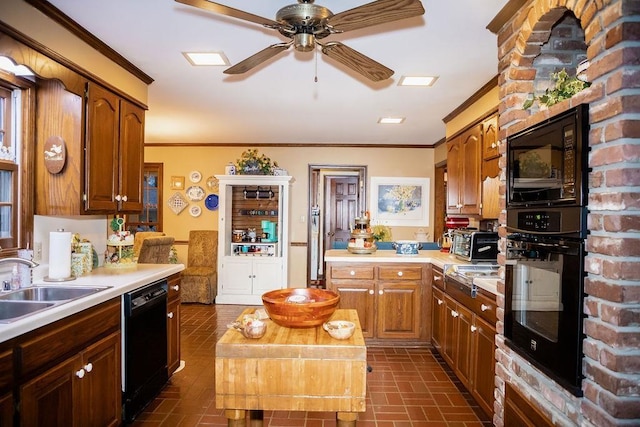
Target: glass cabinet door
{"type": "Point", "coordinates": [150, 219]}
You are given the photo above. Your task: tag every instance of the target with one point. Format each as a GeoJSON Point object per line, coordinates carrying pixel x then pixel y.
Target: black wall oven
{"type": "Point", "coordinates": [544, 269]}
{"type": "Point", "coordinates": [543, 304]}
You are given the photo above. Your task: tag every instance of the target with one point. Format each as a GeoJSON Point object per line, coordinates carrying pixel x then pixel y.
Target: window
{"type": "Point", "coordinates": [150, 219]}
{"type": "Point", "coordinates": [8, 173]}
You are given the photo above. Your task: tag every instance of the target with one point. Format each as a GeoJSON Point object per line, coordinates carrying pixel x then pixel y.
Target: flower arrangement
{"type": "Point", "coordinates": [564, 88]}
{"type": "Point", "coordinates": [381, 233]}
{"type": "Point", "coordinates": [253, 163]}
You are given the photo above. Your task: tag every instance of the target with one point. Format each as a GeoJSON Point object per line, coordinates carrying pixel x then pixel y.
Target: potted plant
{"type": "Point", "coordinates": [564, 88]}
{"type": "Point", "coordinates": [253, 163]}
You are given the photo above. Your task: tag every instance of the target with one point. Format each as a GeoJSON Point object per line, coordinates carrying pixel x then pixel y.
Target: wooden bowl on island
{"type": "Point", "coordinates": [300, 307]}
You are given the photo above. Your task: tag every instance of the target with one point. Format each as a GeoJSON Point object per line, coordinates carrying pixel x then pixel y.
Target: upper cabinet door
{"type": "Point", "coordinates": [131, 156]}
{"type": "Point", "coordinates": [114, 153]}
{"type": "Point", "coordinates": [102, 133]}
{"type": "Point", "coordinates": [490, 148]}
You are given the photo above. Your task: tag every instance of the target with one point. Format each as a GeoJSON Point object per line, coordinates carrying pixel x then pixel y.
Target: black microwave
{"type": "Point", "coordinates": [547, 163]}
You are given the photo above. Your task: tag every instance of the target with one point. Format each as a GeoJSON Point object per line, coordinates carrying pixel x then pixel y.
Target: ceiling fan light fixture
{"type": "Point", "coordinates": [304, 42]}
{"type": "Point", "coordinates": [390, 120]}
{"type": "Point", "coordinates": [206, 58]}
{"type": "Point", "coordinates": [425, 81]}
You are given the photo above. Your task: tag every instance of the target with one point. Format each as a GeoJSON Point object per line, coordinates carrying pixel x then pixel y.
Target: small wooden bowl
{"type": "Point", "coordinates": [300, 307]}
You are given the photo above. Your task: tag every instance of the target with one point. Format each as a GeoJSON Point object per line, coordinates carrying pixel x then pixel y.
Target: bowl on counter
{"type": "Point", "coordinates": [300, 307]}
{"type": "Point", "coordinates": [407, 247]}
{"type": "Point", "coordinates": [340, 329]}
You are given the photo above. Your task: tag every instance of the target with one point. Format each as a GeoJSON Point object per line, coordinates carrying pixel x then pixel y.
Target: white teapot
{"type": "Point", "coordinates": [421, 235]}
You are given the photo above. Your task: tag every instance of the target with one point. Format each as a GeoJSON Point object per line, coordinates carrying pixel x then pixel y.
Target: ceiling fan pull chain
{"type": "Point", "coordinates": [315, 79]}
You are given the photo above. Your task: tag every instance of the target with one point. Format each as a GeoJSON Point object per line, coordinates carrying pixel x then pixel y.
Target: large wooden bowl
{"type": "Point", "coordinates": [300, 307]}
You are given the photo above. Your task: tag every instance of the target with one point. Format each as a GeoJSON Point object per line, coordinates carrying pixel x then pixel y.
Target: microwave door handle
{"type": "Point", "coordinates": [540, 233]}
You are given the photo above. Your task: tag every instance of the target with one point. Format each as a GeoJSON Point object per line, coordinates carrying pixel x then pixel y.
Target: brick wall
{"type": "Point", "coordinates": [610, 31]}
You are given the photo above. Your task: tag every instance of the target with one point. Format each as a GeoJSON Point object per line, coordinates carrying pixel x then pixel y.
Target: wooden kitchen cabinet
{"type": "Point", "coordinates": [6, 385]}
{"type": "Point", "coordinates": [463, 172]}
{"type": "Point", "coordinates": [114, 153]}
{"type": "Point", "coordinates": [173, 324]}
{"type": "Point", "coordinates": [69, 372]}
{"type": "Point", "coordinates": [490, 148]}
{"type": "Point", "coordinates": [390, 299]}
{"type": "Point", "coordinates": [438, 308]}
{"type": "Point", "coordinates": [466, 335]}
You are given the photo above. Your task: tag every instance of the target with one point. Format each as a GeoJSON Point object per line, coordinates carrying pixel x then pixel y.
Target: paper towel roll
{"type": "Point", "coordinates": [59, 254]}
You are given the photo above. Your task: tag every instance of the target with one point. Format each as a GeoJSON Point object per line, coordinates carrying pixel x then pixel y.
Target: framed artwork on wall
{"type": "Point", "coordinates": [400, 201]}
{"type": "Point", "coordinates": [177, 182]}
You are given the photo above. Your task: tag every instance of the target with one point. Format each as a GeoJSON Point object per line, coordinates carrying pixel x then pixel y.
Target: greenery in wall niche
{"type": "Point", "coordinates": [564, 88]}
{"type": "Point", "coordinates": [253, 163]}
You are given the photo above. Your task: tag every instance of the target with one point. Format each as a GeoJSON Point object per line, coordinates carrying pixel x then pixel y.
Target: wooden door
{"type": "Point", "coordinates": [103, 112]}
{"type": "Point", "coordinates": [131, 155]}
{"type": "Point", "coordinates": [48, 399]}
{"type": "Point", "coordinates": [399, 310]}
{"type": "Point", "coordinates": [470, 190]}
{"type": "Point", "coordinates": [341, 198]}
{"type": "Point", "coordinates": [483, 370]}
{"type": "Point", "coordinates": [438, 313]}
{"type": "Point", "coordinates": [101, 398]}
{"type": "Point", "coordinates": [359, 296]}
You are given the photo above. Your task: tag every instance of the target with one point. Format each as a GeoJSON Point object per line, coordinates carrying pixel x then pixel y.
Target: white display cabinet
{"type": "Point", "coordinates": [248, 268]}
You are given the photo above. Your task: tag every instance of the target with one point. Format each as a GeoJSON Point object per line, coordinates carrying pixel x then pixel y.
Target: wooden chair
{"type": "Point", "coordinates": [200, 278]}
{"type": "Point", "coordinates": [155, 250]}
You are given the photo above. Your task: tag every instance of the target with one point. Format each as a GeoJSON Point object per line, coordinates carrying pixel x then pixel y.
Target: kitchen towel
{"type": "Point", "coordinates": [59, 254]}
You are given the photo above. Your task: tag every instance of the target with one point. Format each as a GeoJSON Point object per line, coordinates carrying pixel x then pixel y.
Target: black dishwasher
{"type": "Point", "coordinates": [144, 346]}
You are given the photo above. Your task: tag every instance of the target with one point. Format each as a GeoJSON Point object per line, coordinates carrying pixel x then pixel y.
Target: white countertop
{"type": "Point", "coordinates": [120, 281]}
{"type": "Point", "coordinates": [435, 257]}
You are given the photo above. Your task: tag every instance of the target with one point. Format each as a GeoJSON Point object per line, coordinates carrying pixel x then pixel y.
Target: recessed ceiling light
{"type": "Point", "coordinates": [390, 120]}
{"type": "Point", "coordinates": [417, 80]}
{"type": "Point", "coordinates": [206, 58]}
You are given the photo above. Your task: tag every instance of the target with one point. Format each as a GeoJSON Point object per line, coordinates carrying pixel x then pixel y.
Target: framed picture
{"type": "Point", "coordinates": [177, 182]}
{"type": "Point", "coordinates": [400, 201]}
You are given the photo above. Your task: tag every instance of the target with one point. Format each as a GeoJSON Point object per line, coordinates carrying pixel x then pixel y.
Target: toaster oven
{"type": "Point", "coordinates": [475, 246]}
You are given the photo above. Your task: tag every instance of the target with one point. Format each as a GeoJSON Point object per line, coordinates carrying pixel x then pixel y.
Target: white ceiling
{"type": "Point", "coordinates": [279, 102]}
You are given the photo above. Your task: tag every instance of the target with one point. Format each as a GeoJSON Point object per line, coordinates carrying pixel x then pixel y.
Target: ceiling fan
{"type": "Point", "coordinates": [306, 23]}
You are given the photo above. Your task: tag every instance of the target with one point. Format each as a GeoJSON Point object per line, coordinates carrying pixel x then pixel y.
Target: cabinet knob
{"type": "Point", "coordinates": [170, 315]}
{"type": "Point", "coordinates": [484, 307]}
{"type": "Point", "coordinates": [352, 273]}
{"type": "Point", "coordinates": [380, 292]}
{"type": "Point", "coordinates": [473, 328]}
{"type": "Point", "coordinates": [399, 273]}
{"type": "Point", "coordinates": [118, 198]}
{"type": "Point", "coordinates": [439, 301]}
{"type": "Point", "coordinates": [371, 292]}
{"type": "Point", "coordinates": [175, 288]}
{"type": "Point", "coordinates": [437, 278]}
{"type": "Point", "coordinates": [88, 367]}
{"type": "Point", "coordinates": [124, 198]}
{"type": "Point", "coordinates": [454, 313]}
{"type": "Point", "coordinates": [494, 145]}
{"type": "Point", "coordinates": [80, 373]}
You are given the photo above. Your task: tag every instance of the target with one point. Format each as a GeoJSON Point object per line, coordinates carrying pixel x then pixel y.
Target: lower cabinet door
{"type": "Point", "coordinates": [464, 352]}
{"type": "Point", "coordinates": [438, 313]}
{"type": "Point", "coordinates": [267, 275]}
{"type": "Point", "coordinates": [237, 276]}
{"type": "Point", "coordinates": [6, 410]}
{"type": "Point", "coordinates": [173, 335]}
{"type": "Point", "coordinates": [101, 398]}
{"type": "Point", "coordinates": [48, 399]}
{"type": "Point", "coordinates": [483, 377]}
{"type": "Point", "coordinates": [360, 297]}
{"type": "Point", "coordinates": [398, 310]}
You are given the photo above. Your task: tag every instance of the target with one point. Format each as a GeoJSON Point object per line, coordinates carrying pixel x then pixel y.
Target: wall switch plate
{"type": "Point", "coordinates": [37, 251]}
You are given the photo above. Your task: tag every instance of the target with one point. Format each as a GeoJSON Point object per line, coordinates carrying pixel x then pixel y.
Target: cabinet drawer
{"type": "Point", "coordinates": [174, 287]}
{"type": "Point", "coordinates": [438, 279]}
{"type": "Point", "coordinates": [485, 308]}
{"type": "Point", "coordinates": [400, 272]}
{"type": "Point", "coordinates": [49, 344]}
{"type": "Point", "coordinates": [352, 272]}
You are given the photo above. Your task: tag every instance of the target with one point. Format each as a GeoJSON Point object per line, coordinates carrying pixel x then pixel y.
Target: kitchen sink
{"type": "Point", "coordinates": [18, 304]}
{"type": "Point", "coordinates": [50, 293]}
{"type": "Point", "coordinates": [14, 310]}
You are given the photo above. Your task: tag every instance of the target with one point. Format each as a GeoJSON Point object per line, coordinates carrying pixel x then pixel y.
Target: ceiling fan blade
{"type": "Point", "coordinates": [230, 11]}
{"type": "Point", "coordinates": [258, 58]}
{"type": "Point", "coordinates": [356, 61]}
{"type": "Point", "coordinates": [375, 13]}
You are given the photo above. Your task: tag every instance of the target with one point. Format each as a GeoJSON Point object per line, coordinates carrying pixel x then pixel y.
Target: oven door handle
{"type": "Point", "coordinates": [540, 233]}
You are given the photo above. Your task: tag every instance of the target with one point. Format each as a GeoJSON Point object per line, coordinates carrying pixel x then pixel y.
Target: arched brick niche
{"type": "Point", "coordinates": [610, 30]}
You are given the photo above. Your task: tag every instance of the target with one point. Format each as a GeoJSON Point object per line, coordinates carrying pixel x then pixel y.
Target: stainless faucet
{"type": "Point", "coordinates": [27, 262]}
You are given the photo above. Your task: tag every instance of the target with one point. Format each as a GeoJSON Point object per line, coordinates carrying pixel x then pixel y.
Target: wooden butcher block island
{"type": "Point", "coordinates": [291, 369]}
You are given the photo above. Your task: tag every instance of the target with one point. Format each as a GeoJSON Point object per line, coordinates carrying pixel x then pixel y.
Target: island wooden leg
{"type": "Point", "coordinates": [256, 418]}
{"type": "Point", "coordinates": [346, 419]}
{"type": "Point", "coordinates": [236, 417]}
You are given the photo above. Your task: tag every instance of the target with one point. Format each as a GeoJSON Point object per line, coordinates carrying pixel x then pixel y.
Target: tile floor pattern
{"type": "Point", "coordinates": [406, 388]}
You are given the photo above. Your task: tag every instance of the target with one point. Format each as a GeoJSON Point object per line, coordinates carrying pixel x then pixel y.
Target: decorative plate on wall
{"type": "Point", "coordinates": [211, 202]}
{"type": "Point", "coordinates": [55, 154]}
{"type": "Point", "coordinates": [195, 211]}
{"type": "Point", "coordinates": [212, 183]}
{"type": "Point", "coordinates": [177, 203]}
{"type": "Point", "coordinates": [195, 193]}
{"type": "Point", "coordinates": [195, 176]}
